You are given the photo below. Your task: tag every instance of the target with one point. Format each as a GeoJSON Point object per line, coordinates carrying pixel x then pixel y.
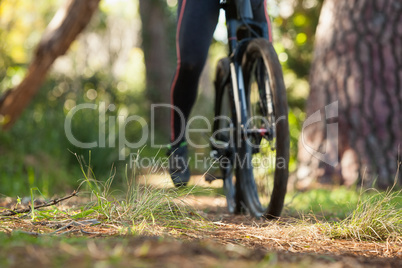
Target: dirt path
{"type": "Point", "coordinates": [293, 241]}
{"type": "Point", "coordinates": [233, 241]}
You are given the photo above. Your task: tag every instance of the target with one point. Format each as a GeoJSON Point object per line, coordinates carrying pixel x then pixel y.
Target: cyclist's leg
{"type": "Point", "coordinates": [260, 13]}
{"type": "Point", "coordinates": [197, 20]}
{"type": "Point", "coordinates": [196, 24]}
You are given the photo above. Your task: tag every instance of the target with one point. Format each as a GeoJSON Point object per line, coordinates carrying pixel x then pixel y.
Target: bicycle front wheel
{"type": "Point", "coordinates": [263, 152]}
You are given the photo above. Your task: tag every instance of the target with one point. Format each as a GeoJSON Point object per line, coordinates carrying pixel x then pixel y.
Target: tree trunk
{"type": "Point", "coordinates": [157, 43]}
{"type": "Point", "coordinates": [64, 28]}
{"type": "Point", "coordinates": [357, 74]}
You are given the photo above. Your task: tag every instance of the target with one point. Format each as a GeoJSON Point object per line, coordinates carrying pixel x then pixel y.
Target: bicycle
{"type": "Point", "coordinates": [250, 124]}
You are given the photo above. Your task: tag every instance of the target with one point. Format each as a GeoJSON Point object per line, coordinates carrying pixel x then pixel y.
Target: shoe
{"type": "Point", "coordinates": [178, 164]}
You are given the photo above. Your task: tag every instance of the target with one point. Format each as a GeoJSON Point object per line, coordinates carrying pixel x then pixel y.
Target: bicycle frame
{"type": "Point", "coordinates": [241, 28]}
{"type": "Point", "coordinates": [240, 23]}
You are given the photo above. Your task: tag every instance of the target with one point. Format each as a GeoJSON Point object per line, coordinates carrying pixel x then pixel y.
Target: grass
{"type": "Point", "coordinates": [320, 221]}
{"type": "Point", "coordinates": [138, 209]}
{"type": "Point", "coordinates": [327, 204]}
{"type": "Point", "coordinates": [340, 213]}
{"type": "Point", "coordinates": [140, 206]}
{"type": "Point", "coordinates": [143, 209]}
{"type": "Point", "coordinates": [378, 217]}
{"type": "Point", "coordinates": [343, 213]}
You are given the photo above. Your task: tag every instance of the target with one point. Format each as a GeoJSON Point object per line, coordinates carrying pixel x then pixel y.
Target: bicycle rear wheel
{"type": "Point", "coordinates": [263, 151]}
{"type": "Point", "coordinates": [222, 138]}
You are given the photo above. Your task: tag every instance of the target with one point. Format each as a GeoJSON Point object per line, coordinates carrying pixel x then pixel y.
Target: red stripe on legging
{"type": "Point", "coordinates": [178, 67]}
{"type": "Point", "coordinates": [268, 21]}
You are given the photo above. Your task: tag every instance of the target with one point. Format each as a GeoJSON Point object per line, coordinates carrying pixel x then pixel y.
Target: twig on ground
{"type": "Point", "coordinates": [76, 224]}
{"type": "Point", "coordinates": [30, 233]}
{"type": "Point", "coordinates": [63, 228]}
{"type": "Point", "coordinates": [69, 232]}
{"type": "Point", "coordinates": [6, 229]}
{"type": "Point", "coordinates": [46, 204]}
{"type": "Point", "coordinates": [89, 233]}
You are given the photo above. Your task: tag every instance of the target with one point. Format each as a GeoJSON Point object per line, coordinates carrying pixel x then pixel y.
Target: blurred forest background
{"type": "Point", "coordinates": [115, 60]}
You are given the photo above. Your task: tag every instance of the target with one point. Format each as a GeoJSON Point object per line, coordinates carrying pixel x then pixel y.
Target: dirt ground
{"type": "Point", "coordinates": [294, 241]}
{"type": "Point", "coordinates": [238, 241]}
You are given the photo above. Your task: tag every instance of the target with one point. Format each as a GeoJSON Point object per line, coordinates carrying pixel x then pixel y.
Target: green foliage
{"type": "Point", "coordinates": [37, 144]}
{"type": "Point", "coordinates": [21, 25]}
{"type": "Point", "coordinates": [36, 152]}
{"type": "Point", "coordinates": [294, 26]}
{"type": "Point", "coordinates": [297, 33]}
{"type": "Point", "coordinates": [332, 204]}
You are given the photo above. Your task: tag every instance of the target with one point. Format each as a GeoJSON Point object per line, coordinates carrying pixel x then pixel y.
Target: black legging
{"type": "Point", "coordinates": [196, 24]}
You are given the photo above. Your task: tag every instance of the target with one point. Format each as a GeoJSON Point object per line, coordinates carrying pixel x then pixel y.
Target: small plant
{"type": "Point", "coordinates": [377, 217]}
{"type": "Point", "coordinates": [140, 206]}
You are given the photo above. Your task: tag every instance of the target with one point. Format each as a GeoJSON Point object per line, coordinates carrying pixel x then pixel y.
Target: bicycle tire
{"type": "Point", "coordinates": [224, 109]}
{"type": "Point", "coordinates": [260, 62]}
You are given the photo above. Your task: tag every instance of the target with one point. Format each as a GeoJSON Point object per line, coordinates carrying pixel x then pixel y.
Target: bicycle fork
{"type": "Point", "coordinates": [227, 149]}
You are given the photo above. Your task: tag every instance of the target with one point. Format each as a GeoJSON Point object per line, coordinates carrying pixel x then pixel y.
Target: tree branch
{"type": "Point", "coordinates": [46, 204]}
{"type": "Point", "coordinates": [64, 28]}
